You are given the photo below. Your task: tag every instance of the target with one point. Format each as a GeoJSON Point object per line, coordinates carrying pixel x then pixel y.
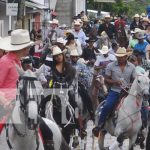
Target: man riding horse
{"type": "Point", "coordinates": [115, 71]}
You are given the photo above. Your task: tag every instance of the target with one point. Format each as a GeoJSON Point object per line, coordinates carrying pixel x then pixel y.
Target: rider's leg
{"type": "Point", "coordinates": [111, 102]}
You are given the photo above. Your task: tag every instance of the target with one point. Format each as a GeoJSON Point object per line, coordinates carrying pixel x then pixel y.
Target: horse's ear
{"type": "Point", "coordinates": [20, 70]}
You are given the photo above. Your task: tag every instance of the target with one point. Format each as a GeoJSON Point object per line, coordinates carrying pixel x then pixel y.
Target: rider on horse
{"type": "Point", "coordinates": [8, 72]}
{"type": "Point", "coordinates": [83, 78]}
{"type": "Point", "coordinates": [115, 71]}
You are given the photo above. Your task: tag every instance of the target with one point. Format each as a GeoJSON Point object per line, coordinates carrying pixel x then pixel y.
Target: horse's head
{"type": "Point", "coordinates": [143, 84]}
{"type": "Point", "coordinates": [29, 94]}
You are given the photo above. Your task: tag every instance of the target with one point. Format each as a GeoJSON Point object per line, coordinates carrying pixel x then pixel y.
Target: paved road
{"type": "Point", "coordinates": [89, 146]}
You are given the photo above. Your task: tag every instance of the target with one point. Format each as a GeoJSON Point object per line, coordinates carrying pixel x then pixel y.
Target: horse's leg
{"type": "Point", "coordinates": [101, 140]}
{"type": "Point", "coordinates": [147, 140]}
{"type": "Point", "coordinates": [132, 140]}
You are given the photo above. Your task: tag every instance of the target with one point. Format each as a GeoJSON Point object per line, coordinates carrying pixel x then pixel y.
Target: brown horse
{"type": "Point", "coordinates": [98, 85]}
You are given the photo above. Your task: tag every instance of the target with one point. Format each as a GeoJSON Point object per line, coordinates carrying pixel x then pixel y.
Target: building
{"type": "Point", "coordinates": [35, 14]}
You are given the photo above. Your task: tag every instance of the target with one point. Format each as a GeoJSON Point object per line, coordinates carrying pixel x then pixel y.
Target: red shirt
{"type": "Point", "coordinates": [119, 23]}
{"type": "Point", "coordinates": [9, 75]}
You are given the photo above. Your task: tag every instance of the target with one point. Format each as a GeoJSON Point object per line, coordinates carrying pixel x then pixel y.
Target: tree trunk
{"type": "Point", "coordinates": [20, 15]}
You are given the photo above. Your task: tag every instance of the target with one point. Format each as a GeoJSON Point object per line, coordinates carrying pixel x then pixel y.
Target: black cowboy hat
{"type": "Point", "coordinates": [91, 39]}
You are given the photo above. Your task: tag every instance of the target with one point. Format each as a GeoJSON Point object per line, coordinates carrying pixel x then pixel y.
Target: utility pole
{"type": "Point", "coordinates": [20, 14]}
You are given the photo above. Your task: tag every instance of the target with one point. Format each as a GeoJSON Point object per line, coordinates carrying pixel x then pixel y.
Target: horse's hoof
{"type": "Point", "coordinates": [142, 146]}
{"type": "Point", "coordinates": [49, 145]}
{"type": "Point", "coordinates": [83, 133]}
{"type": "Point", "coordinates": [96, 131]}
{"type": "Point", "coordinates": [75, 142]}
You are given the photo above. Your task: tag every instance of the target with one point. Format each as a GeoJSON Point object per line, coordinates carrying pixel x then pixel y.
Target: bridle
{"type": "Point", "coordinates": [27, 81]}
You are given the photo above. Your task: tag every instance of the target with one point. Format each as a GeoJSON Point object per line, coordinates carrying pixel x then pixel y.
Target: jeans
{"type": "Point", "coordinates": [111, 101]}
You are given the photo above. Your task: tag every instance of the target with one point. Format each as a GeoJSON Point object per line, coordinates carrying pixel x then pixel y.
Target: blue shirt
{"type": "Point", "coordinates": [84, 74]}
{"type": "Point", "coordinates": [141, 47]}
{"type": "Point", "coordinates": [81, 36]}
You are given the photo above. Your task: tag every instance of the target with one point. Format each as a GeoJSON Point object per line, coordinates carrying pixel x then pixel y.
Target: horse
{"type": "Point", "coordinates": [127, 120]}
{"type": "Point", "coordinates": [23, 129]}
{"type": "Point", "coordinates": [97, 87]}
{"type": "Point", "coordinates": [121, 37]}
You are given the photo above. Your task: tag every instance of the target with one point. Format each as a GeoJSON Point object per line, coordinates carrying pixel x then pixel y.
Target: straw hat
{"type": "Point", "coordinates": [136, 16]}
{"type": "Point", "coordinates": [74, 52]}
{"type": "Point", "coordinates": [145, 19]}
{"type": "Point", "coordinates": [85, 19]}
{"type": "Point", "coordinates": [56, 51]}
{"type": "Point", "coordinates": [121, 52]}
{"type": "Point", "coordinates": [18, 40]}
{"type": "Point", "coordinates": [104, 50]}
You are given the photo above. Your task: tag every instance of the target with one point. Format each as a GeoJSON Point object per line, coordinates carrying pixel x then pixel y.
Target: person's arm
{"type": "Point", "coordinates": [108, 77]}
{"type": "Point", "coordinates": [147, 52]}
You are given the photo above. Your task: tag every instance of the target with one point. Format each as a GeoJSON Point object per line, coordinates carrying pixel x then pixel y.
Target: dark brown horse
{"type": "Point", "coordinates": [121, 37]}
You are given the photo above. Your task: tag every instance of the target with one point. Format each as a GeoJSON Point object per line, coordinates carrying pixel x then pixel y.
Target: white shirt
{"type": "Point", "coordinates": [101, 60]}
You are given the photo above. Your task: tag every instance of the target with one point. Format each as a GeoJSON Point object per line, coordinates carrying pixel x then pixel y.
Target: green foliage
{"type": "Point", "coordinates": [121, 6]}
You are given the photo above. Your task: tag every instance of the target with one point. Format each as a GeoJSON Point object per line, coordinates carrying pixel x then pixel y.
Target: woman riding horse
{"type": "Point", "coordinates": [61, 76]}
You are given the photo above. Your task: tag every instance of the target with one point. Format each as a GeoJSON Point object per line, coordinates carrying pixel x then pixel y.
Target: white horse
{"type": "Point", "coordinates": [128, 121]}
{"type": "Point", "coordinates": [22, 130]}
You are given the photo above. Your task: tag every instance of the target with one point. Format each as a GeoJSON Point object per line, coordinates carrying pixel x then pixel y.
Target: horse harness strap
{"type": "Point", "coordinates": [19, 134]}
{"type": "Point", "coordinates": [7, 137]}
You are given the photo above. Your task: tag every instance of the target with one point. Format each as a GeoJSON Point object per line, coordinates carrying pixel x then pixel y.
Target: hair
{"type": "Point", "coordinates": [69, 38]}
{"type": "Point", "coordinates": [114, 45]}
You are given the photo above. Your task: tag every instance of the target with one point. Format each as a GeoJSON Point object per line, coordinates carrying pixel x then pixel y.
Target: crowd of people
{"type": "Point", "coordinates": [84, 49]}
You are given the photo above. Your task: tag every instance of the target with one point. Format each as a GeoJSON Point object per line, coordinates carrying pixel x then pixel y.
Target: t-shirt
{"type": "Point", "coordinates": [104, 61]}
{"type": "Point", "coordinates": [141, 47]}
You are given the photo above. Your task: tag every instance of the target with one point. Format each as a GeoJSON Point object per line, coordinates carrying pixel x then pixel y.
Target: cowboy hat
{"type": "Point", "coordinates": [55, 21]}
{"type": "Point", "coordinates": [60, 40]}
{"type": "Point", "coordinates": [121, 52]}
{"type": "Point", "coordinates": [107, 16]}
{"type": "Point", "coordinates": [77, 23]}
{"type": "Point", "coordinates": [145, 19]}
{"type": "Point", "coordinates": [85, 19]}
{"type": "Point", "coordinates": [82, 61]}
{"type": "Point", "coordinates": [104, 50]}
{"type": "Point", "coordinates": [136, 16]}
{"type": "Point", "coordinates": [74, 52]}
{"type": "Point", "coordinates": [56, 51]}
{"type": "Point", "coordinates": [18, 40]}
{"type": "Point", "coordinates": [140, 36]}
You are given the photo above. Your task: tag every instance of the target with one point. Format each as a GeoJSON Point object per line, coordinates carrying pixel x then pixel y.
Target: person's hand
{"type": "Point", "coordinates": [118, 82]}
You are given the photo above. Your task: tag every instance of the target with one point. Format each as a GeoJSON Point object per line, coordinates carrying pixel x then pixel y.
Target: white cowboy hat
{"type": "Point", "coordinates": [107, 16]}
{"type": "Point", "coordinates": [136, 16]}
{"type": "Point", "coordinates": [121, 52]}
{"type": "Point", "coordinates": [77, 23]}
{"type": "Point", "coordinates": [141, 35]}
{"type": "Point", "coordinates": [18, 40]}
{"type": "Point", "coordinates": [60, 40]}
{"type": "Point", "coordinates": [82, 61]}
{"type": "Point", "coordinates": [55, 21]}
{"type": "Point", "coordinates": [137, 30]}
{"type": "Point", "coordinates": [74, 52]}
{"type": "Point", "coordinates": [104, 50]}
{"type": "Point", "coordinates": [56, 51]}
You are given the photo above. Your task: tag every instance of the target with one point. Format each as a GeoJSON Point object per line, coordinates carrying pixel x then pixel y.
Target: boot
{"type": "Point", "coordinates": [97, 129]}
